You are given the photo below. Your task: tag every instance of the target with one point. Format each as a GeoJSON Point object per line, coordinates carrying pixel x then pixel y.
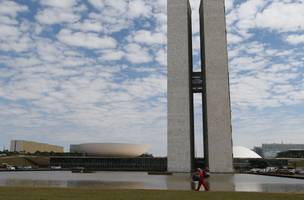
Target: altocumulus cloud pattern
{"type": "Point", "coordinates": [95, 71]}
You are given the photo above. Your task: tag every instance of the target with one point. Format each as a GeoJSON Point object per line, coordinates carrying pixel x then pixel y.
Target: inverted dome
{"type": "Point", "coordinates": [243, 152]}
{"type": "Point", "coordinates": [110, 149]}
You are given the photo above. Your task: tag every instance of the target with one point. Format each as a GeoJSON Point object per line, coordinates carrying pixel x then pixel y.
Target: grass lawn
{"type": "Point", "coordinates": [15, 193]}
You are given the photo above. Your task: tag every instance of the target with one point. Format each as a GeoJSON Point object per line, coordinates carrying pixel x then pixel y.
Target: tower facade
{"type": "Point", "coordinates": [212, 82]}
{"type": "Point", "coordinates": [180, 98]}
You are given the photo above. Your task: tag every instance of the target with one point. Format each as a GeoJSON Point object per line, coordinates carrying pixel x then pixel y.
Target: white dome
{"type": "Point", "coordinates": [243, 152]}
{"type": "Point", "coordinates": [110, 149]}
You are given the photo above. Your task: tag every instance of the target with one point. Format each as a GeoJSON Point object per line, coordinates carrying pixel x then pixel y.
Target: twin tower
{"type": "Point", "coordinates": [212, 82]}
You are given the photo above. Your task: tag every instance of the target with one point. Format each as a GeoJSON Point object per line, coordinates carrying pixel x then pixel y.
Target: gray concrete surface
{"type": "Point", "coordinates": [141, 180]}
{"type": "Point", "coordinates": [180, 132]}
{"type": "Point", "coordinates": [216, 97]}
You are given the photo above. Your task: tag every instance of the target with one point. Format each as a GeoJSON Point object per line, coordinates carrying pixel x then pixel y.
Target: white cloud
{"type": "Point", "coordinates": [59, 3]}
{"type": "Point", "coordinates": [229, 5]}
{"type": "Point", "coordinates": [19, 45]}
{"type": "Point", "coordinates": [137, 54]}
{"type": "Point", "coordinates": [55, 16]}
{"type": "Point", "coordinates": [295, 39]}
{"type": "Point", "coordinates": [109, 13]}
{"type": "Point", "coordinates": [283, 17]}
{"type": "Point", "coordinates": [161, 57]}
{"type": "Point", "coordinates": [161, 22]}
{"type": "Point", "coordinates": [196, 44]}
{"type": "Point", "coordinates": [110, 8]}
{"type": "Point", "coordinates": [258, 81]}
{"type": "Point", "coordinates": [112, 55]}
{"type": "Point", "coordinates": [8, 31]}
{"type": "Point", "coordinates": [147, 87]}
{"type": "Point", "coordinates": [195, 16]}
{"type": "Point", "coordinates": [113, 6]}
{"type": "Point", "coordinates": [233, 38]}
{"type": "Point", "coordinates": [87, 25]}
{"type": "Point", "coordinates": [86, 40]}
{"type": "Point", "coordinates": [248, 9]}
{"type": "Point", "coordinates": [139, 8]}
{"type": "Point", "coordinates": [11, 8]}
{"type": "Point", "coordinates": [267, 127]}
{"type": "Point", "coordinates": [60, 84]}
{"type": "Point", "coordinates": [13, 34]}
{"type": "Point", "coordinates": [8, 20]}
{"type": "Point", "coordinates": [100, 4]}
{"type": "Point", "coordinates": [244, 17]}
{"type": "Point", "coordinates": [149, 38]}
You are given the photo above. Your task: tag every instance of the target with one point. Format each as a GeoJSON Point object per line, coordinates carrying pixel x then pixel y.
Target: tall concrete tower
{"type": "Point", "coordinates": [180, 98]}
{"type": "Point", "coordinates": [212, 82]}
{"type": "Point", "coordinates": [216, 95]}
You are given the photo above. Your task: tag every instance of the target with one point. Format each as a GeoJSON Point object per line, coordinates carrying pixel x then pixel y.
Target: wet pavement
{"type": "Point", "coordinates": [141, 180]}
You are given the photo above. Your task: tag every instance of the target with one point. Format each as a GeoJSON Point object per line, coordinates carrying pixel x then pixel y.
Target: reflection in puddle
{"type": "Point", "coordinates": [141, 180]}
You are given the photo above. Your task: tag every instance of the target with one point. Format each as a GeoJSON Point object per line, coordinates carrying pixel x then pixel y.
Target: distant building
{"type": "Point", "coordinates": [110, 149]}
{"type": "Point", "coordinates": [243, 152]}
{"type": "Point", "coordinates": [32, 147]}
{"type": "Point", "coordinates": [291, 154]}
{"type": "Point", "coordinates": [271, 150]}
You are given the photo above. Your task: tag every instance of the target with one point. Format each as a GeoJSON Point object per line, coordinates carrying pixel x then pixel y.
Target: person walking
{"type": "Point", "coordinates": [202, 174]}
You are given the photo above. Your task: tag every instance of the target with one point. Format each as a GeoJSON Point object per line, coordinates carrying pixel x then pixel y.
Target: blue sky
{"type": "Point", "coordinates": [95, 71]}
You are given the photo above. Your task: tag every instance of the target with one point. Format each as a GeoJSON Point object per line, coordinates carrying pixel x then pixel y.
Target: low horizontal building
{"type": "Point", "coordinates": [32, 147]}
{"type": "Point", "coordinates": [271, 150]}
{"type": "Point", "coordinates": [110, 164]}
{"type": "Point", "coordinates": [294, 153]}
